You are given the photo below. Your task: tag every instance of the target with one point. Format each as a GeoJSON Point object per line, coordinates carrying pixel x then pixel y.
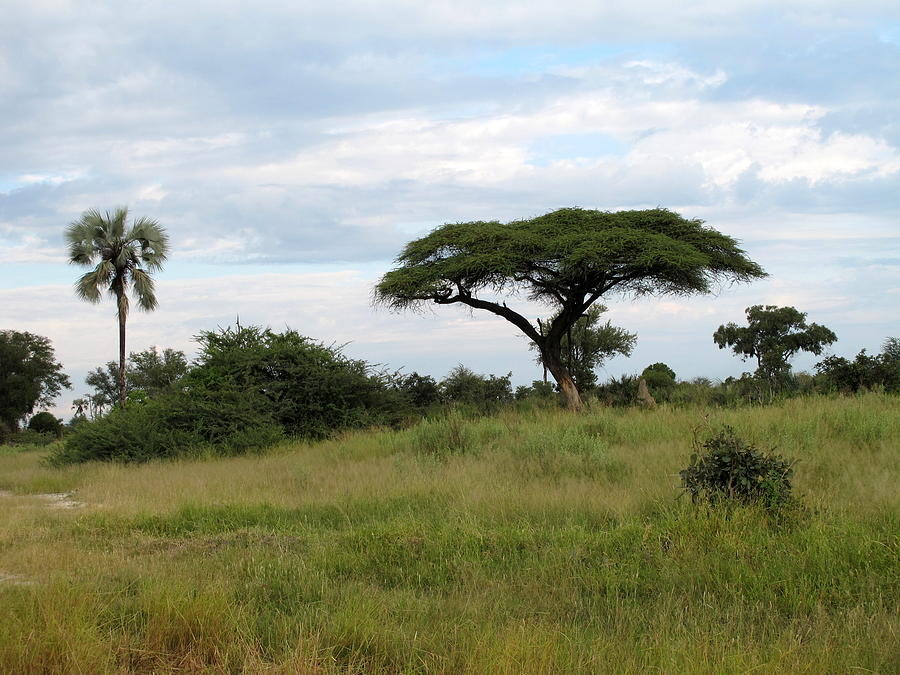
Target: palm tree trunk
{"type": "Point", "coordinates": [121, 377]}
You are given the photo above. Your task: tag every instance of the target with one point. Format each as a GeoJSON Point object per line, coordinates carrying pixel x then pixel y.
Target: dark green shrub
{"type": "Point", "coordinates": [483, 393]}
{"type": "Point", "coordinates": [45, 423]}
{"type": "Point", "coordinates": [309, 388]}
{"type": "Point", "coordinates": [177, 425]}
{"type": "Point", "coordinates": [732, 470]}
{"type": "Point", "coordinates": [881, 371]}
{"type": "Point", "coordinates": [537, 390]}
{"type": "Point", "coordinates": [249, 388]}
{"type": "Point", "coordinates": [416, 394]}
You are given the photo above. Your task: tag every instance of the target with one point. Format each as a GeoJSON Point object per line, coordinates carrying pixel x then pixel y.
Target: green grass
{"type": "Point", "coordinates": [530, 542]}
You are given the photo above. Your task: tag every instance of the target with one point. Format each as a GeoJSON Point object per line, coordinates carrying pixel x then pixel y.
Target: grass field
{"type": "Point", "coordinates": [528, 542]}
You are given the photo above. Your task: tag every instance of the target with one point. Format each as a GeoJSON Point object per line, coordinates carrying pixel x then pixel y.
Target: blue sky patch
{"type": "Point", "coordinates": [556, 147]}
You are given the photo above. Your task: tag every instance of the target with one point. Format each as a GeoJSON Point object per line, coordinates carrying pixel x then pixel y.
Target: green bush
{"type": "Point", "coordinates": [732, 470]}
{"type": "Point", "coordinates": [46, 423]}
{"type": "Point", "coordinates": [483, 393]}
{"type": "Point", "coordinates": [309, 388]}
{"type": "Point", "coordinates": [178, 425]}
{"type": "Point", "coordinates": [660, 381]}
{"type": "Point", "coordinates": [249, 388]}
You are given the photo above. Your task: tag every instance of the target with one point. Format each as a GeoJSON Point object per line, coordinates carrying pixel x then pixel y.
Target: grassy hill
{"type": "Point", "coordinates": [529, 542]}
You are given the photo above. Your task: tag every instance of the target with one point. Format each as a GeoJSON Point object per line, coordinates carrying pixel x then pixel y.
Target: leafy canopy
{"type": "Point", "coordinates": [571, 253]}
{"type": "Point", "coordinates": [30, 376]}
{"type": "Point", "coordinates": [772, 336]}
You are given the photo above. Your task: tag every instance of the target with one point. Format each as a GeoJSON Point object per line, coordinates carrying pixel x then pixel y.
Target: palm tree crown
{"type": "Point", "coordinates": [123, 259]}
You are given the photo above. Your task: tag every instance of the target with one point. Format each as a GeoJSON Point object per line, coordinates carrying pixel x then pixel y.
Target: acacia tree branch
{"type": "Point", "coordinates": [519, 321]}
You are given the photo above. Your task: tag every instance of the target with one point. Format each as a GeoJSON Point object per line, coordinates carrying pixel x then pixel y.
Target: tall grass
{"type": "Point", "coordinates": [527, 542]}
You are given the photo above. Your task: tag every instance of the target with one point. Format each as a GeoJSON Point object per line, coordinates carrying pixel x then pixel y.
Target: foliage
{"type": "Point", "coordinates": [310, 389]}
{"type": "Point", "coordinates": [150, 371]}
{"type": "Point", "coordinates": [620, 391]}
{"type": "Point", "coordinates": [587, 345]}
{"type": "Point", "coordinates": [155, 372]}
{"type": "Point", "coordinates": [569, 259]}
{"type": "Point", "coordinates": [122, 260]}
{"type": "Point", "coordinates": [483, 393]}
{"type": "Point", "coordinates": [773, 335]}
{"type": "Point", "coordinates": [864, 372]}
{"type": "Point", "coordinates": [176, 425]}
{"type": "Point", "coordinates": [30, 376]}
{"type": "Point", "coordinates": [660, 380]}
{"type": "Point", "coordinates": [735, 471]}
{"type": "Point", "coordinates": [46, 423]}
{"type": "Point", "coordinates": [249, 388]}
{"type": "Point", "coordinates": [538, 389]}
{"type": "Point", "coordinates": [419, 392]}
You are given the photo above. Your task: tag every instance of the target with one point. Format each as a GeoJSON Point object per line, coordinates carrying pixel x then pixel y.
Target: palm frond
{"type": "Point", "coordinates": [153, 240]}
{"type": "Point", "coordinates": [117, 221]}
{"type": "Point", "coordinates": [144, 288]}
{"type": "Point", "coordinates": [91, 285]}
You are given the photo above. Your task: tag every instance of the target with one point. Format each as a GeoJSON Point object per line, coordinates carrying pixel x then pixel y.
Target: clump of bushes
{"type": "Point", "coordinates": [249, 389]}
{"type": "Point", "coordinates": [731, 470]}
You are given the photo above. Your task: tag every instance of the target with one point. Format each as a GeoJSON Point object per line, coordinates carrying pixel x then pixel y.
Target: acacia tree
{"type": "Point", "coordinates": [123, 260]}
{"type": "Point", "coordinates": [568, 259]}
{"type": "Point", "coordinates": [772, 336]}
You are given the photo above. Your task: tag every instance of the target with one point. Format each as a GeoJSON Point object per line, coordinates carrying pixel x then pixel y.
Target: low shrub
{"type": "Point", "coordinates": [177, 425]}
{"type": "Point", "coordinates": [734, 471]}
{"type": "Point", "coordinates": [46, 423]}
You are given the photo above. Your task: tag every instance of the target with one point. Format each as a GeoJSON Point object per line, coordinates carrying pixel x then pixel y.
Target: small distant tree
{"type": "Point", "coordinates": [660, 380]}
{"type": "Point", "coordinates": [568, 259]}
{"type": "Point", "coordinates": [30, 376]}
{"type": "Point", "coordinates": [588, 344]}
{"type": "Point", "coordinates": [46, 423]}
{"type": "Point", "coordinates": [484, 392]}
{"type": "Point", "coordinates": [150, 371]}
{"type": "Point", "coordinates": [156, 371]}
{"type": "Point", "coordinates": [123, 259]}
{"type": "Point", "coordinates": [773, 336]}
{"type": "Point", "coordinates": [420, 391]}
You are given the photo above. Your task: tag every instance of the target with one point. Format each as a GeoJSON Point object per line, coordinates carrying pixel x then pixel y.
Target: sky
{"type": "Point", "coordinates": [291, 149]}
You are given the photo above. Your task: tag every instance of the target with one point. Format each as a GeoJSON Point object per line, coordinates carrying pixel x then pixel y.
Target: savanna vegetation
{"type": "Point", "coordinates": [527, 541]}
{"type": "Point", "coordinates": [274, 506]}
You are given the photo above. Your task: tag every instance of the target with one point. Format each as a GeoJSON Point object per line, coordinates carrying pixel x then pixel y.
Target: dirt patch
{"type": "Point", "coordinates": [52, 500]}
{"type": "Point", "coordinates": [59, 500]}
{"type": "Point", "coordinates": [14, 579]}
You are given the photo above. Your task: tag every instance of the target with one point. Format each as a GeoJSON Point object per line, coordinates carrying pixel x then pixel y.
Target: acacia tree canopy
{"type": "Point", "coordinates": [568, 259]}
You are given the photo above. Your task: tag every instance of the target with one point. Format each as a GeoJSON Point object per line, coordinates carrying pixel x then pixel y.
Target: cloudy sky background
{"type": "Point", "coordinates": [291, 150]}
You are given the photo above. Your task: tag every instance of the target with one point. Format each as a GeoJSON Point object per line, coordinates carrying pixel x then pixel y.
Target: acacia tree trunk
{"type": "Point", "coordinates": [121, 377]}
{"type": "Point", "coordinates": [553, 362]}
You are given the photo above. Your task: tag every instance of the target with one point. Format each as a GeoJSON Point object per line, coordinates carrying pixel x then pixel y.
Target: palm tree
{"type": "Point", "coordinates": [122, 259]}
